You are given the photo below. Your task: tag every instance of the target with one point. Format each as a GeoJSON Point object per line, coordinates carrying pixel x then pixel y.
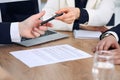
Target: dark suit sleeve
{"type": "Point", "coordinates": [115, 29]}
{"type": "Point", "coordinates": [84, 17]}
{"type": "Point", "coordinates": [5, 33]}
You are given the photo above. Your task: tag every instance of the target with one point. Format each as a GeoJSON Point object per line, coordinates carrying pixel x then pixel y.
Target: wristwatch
{"type": "Point", "coordinates": [105, 35]}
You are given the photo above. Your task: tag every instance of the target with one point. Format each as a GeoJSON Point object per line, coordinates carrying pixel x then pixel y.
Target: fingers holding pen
{"type": "Point", "coordinates": [70, 14]}
{"type": "Point", "coordinates": [40, 30]}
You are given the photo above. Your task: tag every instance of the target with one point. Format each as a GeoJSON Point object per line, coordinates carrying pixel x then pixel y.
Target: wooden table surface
{"type": "Point", "coordinates": [70, 70]}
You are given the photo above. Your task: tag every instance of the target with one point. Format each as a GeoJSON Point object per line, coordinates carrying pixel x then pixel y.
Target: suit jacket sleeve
{"type": "Point", "coordinates": [101, 12]}
{"type": "Point", "coordinates": [116, 30]}
{"type": "Point", "coordinates": [5, 37]}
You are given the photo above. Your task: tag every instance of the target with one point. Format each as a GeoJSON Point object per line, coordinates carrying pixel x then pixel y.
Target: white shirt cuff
{"type": "Point", "coordinates": [14, 32]}
{"type": "Point", "coordinates": [114, 34]}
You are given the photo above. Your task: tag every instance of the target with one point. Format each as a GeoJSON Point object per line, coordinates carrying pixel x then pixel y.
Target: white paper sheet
{"type": "Point", "coordinates": [6, 1]}
{"type": "Point", "coordinates": [84, 34]}
{"type": "Point", "coordinates": [49, 55]}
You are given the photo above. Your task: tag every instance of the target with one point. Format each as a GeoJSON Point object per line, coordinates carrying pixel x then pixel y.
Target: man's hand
{"type": "Point", "coordinates": [106, 43]}
{"type": "Point", "coordinates": [30, 28]}
{"type": "Point", "coordinates": [70, 14]}
{"type": "Point", "coordinates": [116, 54]}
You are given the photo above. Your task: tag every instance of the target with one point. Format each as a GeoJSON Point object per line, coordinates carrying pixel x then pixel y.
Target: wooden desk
{"type": "Point", "coordinates": [71, 70]}
{"type": "Point", "coordinates": [4, 75]}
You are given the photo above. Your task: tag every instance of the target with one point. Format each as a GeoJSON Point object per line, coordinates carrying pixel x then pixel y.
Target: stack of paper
{"type": "Point", "coordinates": [85, 34]}
{"type": "Point", "coordinates": [49, 55]}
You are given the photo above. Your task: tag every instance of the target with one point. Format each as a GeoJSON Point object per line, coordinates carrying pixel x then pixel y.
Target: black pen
{"type": "Point", "coordinates": [57, 15]}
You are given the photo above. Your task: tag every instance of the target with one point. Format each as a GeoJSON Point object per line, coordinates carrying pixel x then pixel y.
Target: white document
{"type": "Point", "coordinates": [0, 16]}
{"type": "Point", "coordinates": [49, 55]}
{"type": "Point", "coordinates": [6, 1]}
{"type": "Point", "coordinates": [84, 34]}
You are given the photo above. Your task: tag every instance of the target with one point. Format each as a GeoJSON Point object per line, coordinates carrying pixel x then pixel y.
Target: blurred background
{"type": "Point", "coordinates": [117, 12]}
{"type": "Point", "coordinates": [43, 2]}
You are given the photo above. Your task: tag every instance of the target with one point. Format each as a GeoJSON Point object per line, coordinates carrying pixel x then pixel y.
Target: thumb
{"type": "Point", "coordinates": [39, 15]}
{"type": "Point", "coordinates": [63, 10]}
{"type": "Point", "coordinates": [117, 45]}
